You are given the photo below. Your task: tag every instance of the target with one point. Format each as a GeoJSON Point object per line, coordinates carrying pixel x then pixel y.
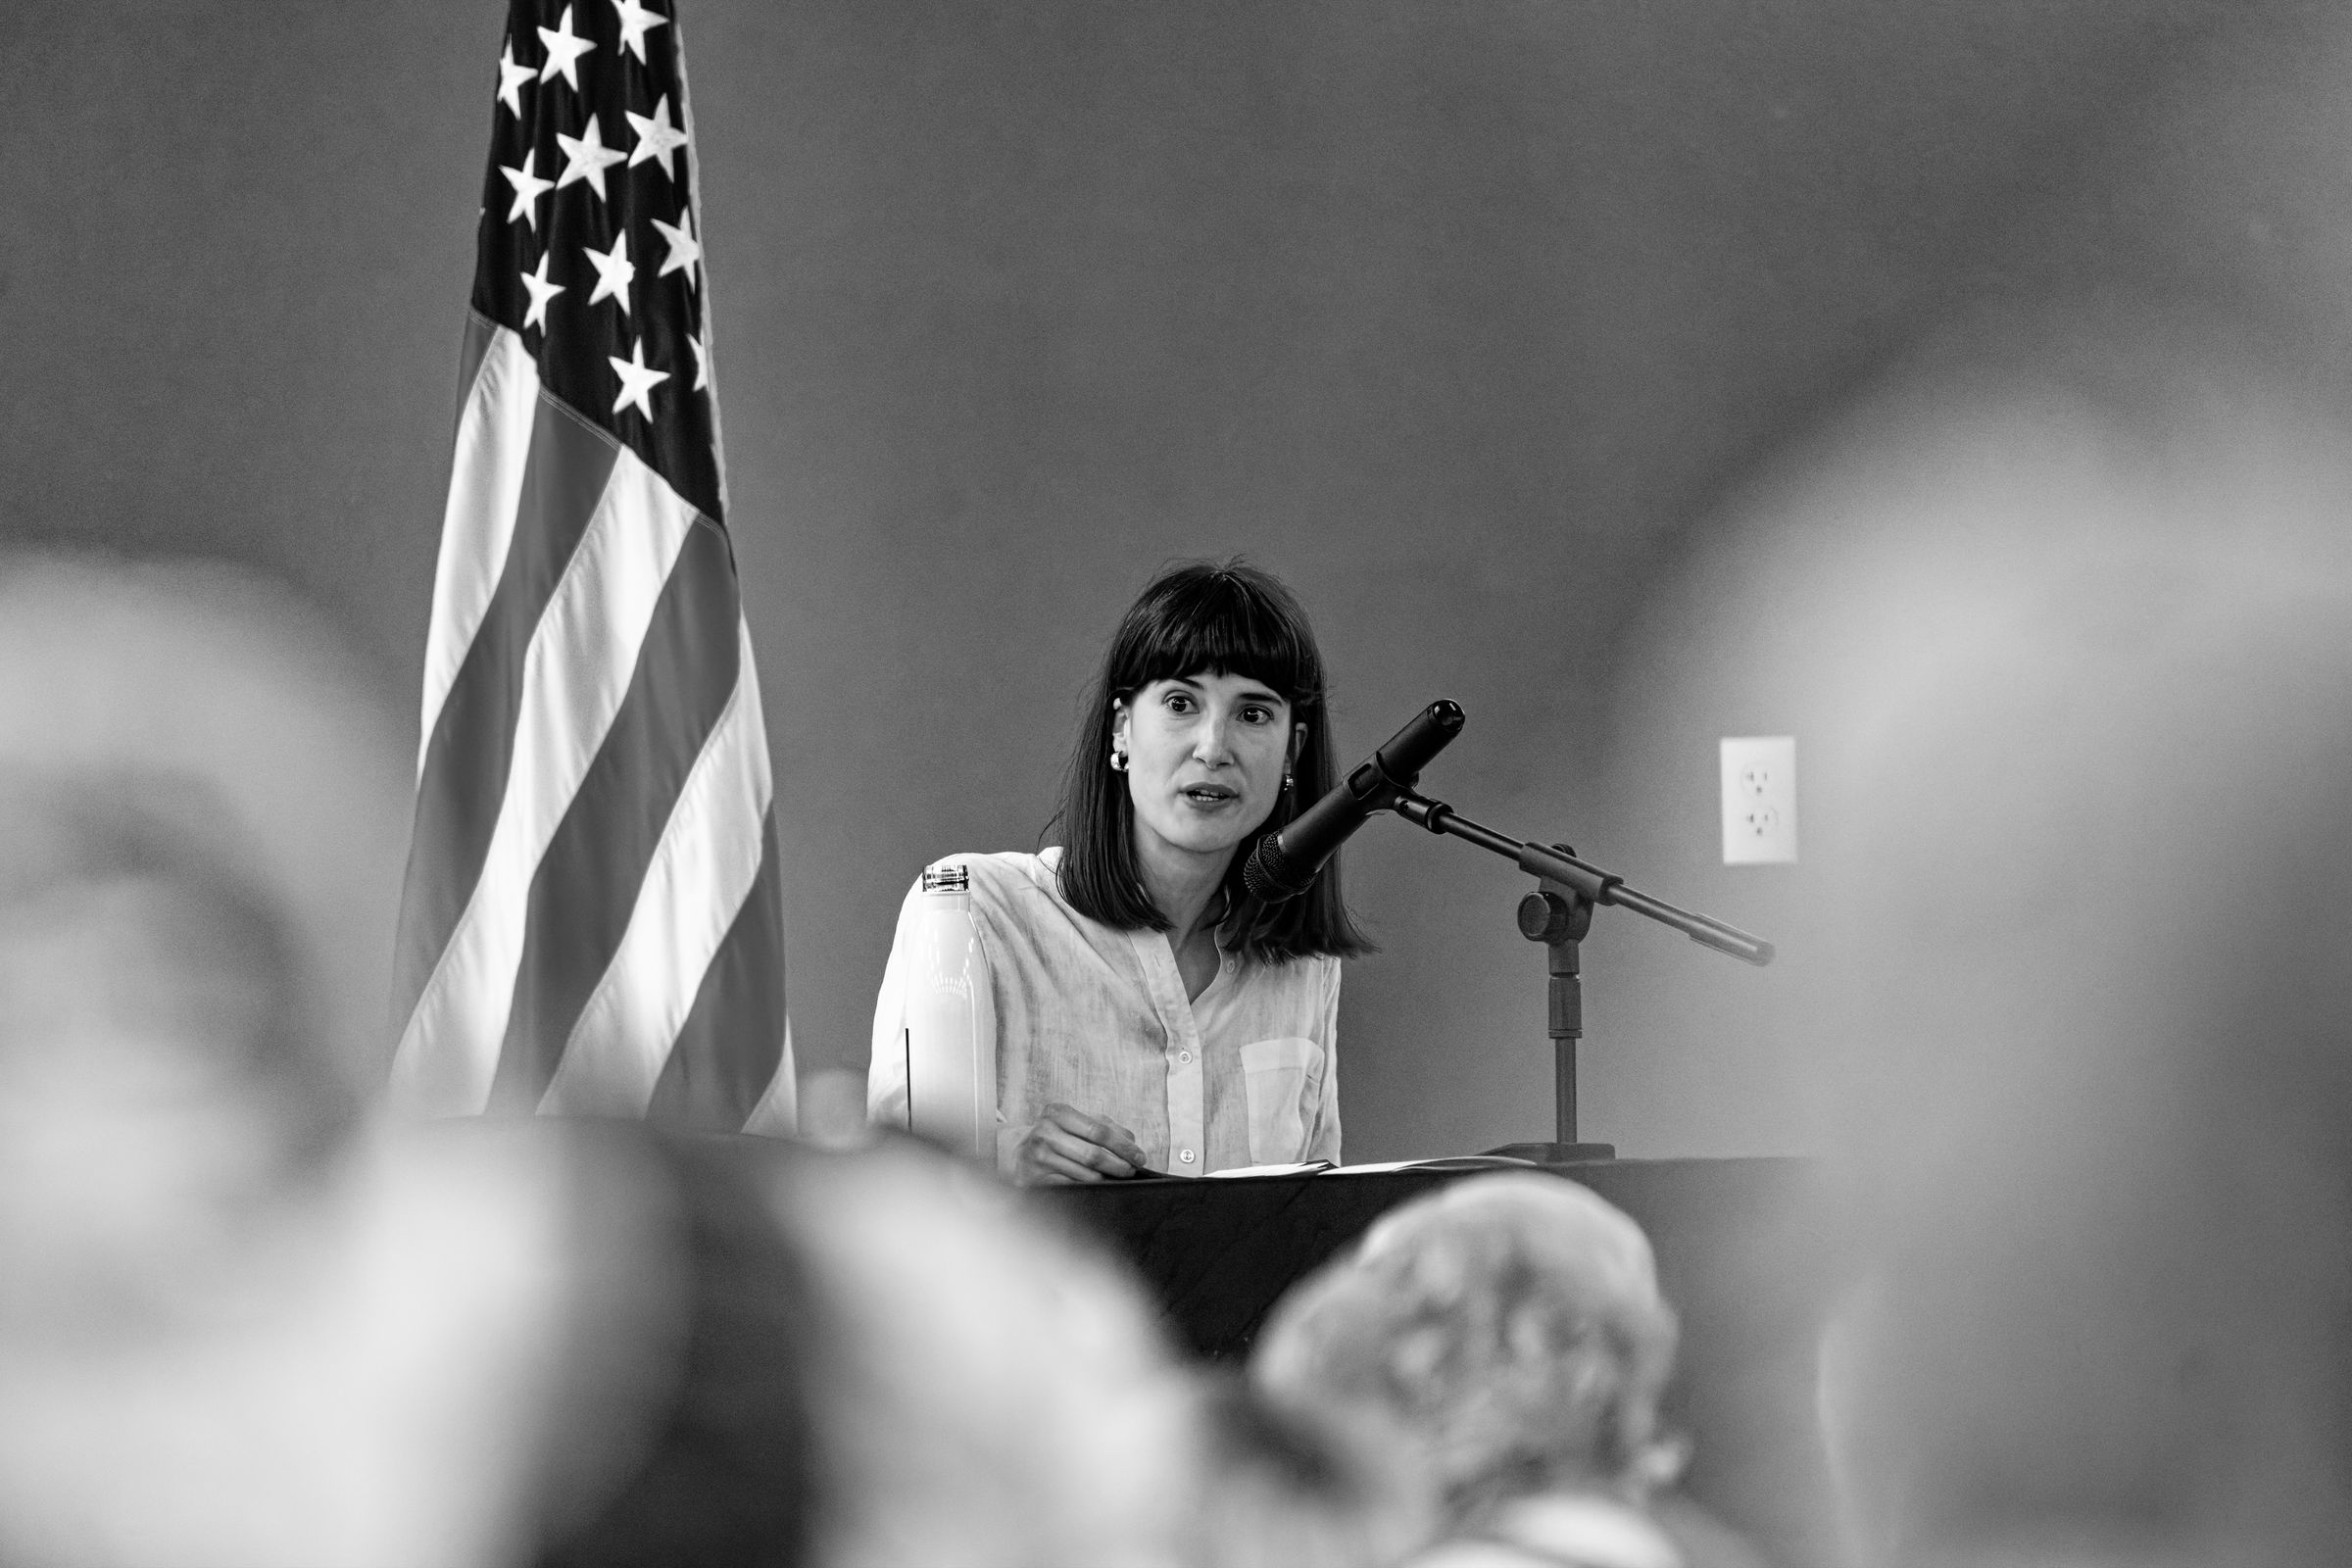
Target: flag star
{"type": "Point", "coordinates": [528, 188]}
{"type": "Point", "coordinates": [511, 77]}
{"type": "Point", "coordinates": [702, 363]}
{"type": "Point", "coordinates": [586, 158]}
{"type": "Point", "coordinates": [541, 292]}
{"type": "Point", "coordinates": [684, 249]}
{"type": "Point", "coordinates": [636, 381]}
{"type": "Point", "coordinates": [615, 271]}
{"type": "Point", "coordinates": [563, 50]}
{"type": "Point", "coordinates": [657, 137]}
{"type": "Point", "coordinates": [635, 23]}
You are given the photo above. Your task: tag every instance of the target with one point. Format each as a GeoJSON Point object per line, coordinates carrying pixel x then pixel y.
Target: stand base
{"type": "Point", "coordinates": [1558, 1153]}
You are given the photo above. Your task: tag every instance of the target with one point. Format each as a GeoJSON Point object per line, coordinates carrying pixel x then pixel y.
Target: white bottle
{"type": "Point", "coordinates": [951, 1023]}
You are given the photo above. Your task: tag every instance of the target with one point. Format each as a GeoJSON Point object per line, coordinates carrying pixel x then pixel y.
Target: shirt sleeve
{"type": "Point", "coordinates": [886, 1068]}
{"type": "Point", "coordinates": [1324, 1142]}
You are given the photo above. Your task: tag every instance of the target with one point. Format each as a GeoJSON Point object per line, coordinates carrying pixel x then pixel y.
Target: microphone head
{"type": "Point", "coordinates": [1270, 876]}
{"type": "Point", "coordinates": [1424, 736]}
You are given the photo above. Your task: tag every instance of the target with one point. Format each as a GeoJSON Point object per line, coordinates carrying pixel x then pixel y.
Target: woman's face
{"type": "Point", "coordinates": [1206, 755]}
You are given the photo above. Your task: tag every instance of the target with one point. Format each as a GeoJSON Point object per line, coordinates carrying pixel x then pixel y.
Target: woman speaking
{"type": "Point", "coordinates": [1149, 1014]}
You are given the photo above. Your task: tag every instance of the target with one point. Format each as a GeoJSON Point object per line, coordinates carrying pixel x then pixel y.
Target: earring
{"type": "Point", "coordinates": [1285, 778]}
{"type": "Point", "coordinates": [1119, 761]}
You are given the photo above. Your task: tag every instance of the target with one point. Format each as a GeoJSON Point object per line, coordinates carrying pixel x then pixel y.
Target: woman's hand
{"type": "Point", "coordinates": [1066, 1145]}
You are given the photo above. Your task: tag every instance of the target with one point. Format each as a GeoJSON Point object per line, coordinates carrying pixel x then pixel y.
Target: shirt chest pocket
{"type": "Point", "coordinates": [1283, 1081]}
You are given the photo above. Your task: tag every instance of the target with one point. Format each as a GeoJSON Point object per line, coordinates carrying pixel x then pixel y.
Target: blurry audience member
{"type": "Point", "coordinates": [693, 1436]}
{"type": "Point", "coordinates": [1000, 1394]}
{"type": "Point", "coordinates": [221, 707]}
{"type": "Point", "coordinates": [1511, 1330]}
{"type": "Point", "coordinates": [2072, 652]}
{"type": "Point", "coordinates": [1284, 1487]}
{"type": "Point", "coordinates": [232, 1327]}
{"type": "Point", "coordinates": [201, 821]}
{"type": "Point", "coordinates": [2107, 1199]}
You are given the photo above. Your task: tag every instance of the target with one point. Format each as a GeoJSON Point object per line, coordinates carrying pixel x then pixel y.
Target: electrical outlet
{"type": "Point", "coordinates": [1759, 800]}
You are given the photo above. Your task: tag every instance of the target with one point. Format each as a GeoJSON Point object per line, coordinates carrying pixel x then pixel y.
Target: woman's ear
{"type": "Point", "coordinates": [1297, 743]}
{"type": "Point", "coordinates": [1119, 723]}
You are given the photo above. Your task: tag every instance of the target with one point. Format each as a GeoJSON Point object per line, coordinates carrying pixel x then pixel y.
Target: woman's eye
{"type": "Point", "coordinates": [1179, 702]}
{"type": "Point", "coordinates": [1258, 716]}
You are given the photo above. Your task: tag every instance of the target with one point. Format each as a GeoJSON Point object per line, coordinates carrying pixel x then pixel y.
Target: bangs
{"type": "Point", "coordinates": [1221, 621]}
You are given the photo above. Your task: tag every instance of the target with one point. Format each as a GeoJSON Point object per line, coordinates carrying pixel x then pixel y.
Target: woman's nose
{"type": "Point", "coordinates": [1213, 745]}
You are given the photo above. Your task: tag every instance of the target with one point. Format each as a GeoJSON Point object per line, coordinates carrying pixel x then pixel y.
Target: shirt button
{"type": "Point", "coordinates": [1184, 1055]}
{"type": "Point", "coordinates": [1185, 1157]}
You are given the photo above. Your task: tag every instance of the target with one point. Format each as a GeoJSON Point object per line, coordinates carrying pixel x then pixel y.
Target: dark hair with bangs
{"type": "Point", "coordinates": [1204, 618]}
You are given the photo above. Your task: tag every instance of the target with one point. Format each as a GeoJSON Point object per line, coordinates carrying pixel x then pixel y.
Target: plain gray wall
{"type": "Point", "coordinates": [1466, 319]}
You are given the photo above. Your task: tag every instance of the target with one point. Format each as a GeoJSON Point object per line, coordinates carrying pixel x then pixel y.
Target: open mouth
{"type": "Point", "coordinates": [1209, 794]}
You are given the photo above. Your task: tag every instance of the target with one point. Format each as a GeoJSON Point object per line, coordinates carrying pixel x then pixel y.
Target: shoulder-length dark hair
{"type": "Point", "coordinates": [1204, 618]}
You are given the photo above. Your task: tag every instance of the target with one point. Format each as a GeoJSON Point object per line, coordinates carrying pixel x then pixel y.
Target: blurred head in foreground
{"type": "Point", "coordinates": [996, 1395]}
{"type": "Point", "coordinates": [201, 815]}
{"type": "Point", "coordinates": [227, 1332]}
{"type": "Point", "coordinates": [2075, 658]}
{"type": "Point", "coordinates": [1509, 1327]}
{"type": "Point", "coordinates": [2106, 1196]}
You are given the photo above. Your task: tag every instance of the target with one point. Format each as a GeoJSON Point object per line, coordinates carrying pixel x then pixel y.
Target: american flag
{"type": "Point", "coordinates": [592, 923]}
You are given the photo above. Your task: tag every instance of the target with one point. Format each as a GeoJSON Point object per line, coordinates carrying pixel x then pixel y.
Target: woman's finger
{"type": "Point", "coordinates": [1053, 1165]}
{"type": "Point", "coordinates": [1083, 1151]}
{"type": "Point", "coordinates": [1051, 1152]}
{"type": "Point", "coordinates": [1104, 1134]}
{"type": "Point", "coordinates": [1032, 1162]}
{"type": "Point", "coordinates": [1071, 1170]}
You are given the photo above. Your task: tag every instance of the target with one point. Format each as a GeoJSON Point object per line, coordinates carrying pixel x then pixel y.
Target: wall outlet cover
{"type": "Point", "coordinates": [1759, 800]}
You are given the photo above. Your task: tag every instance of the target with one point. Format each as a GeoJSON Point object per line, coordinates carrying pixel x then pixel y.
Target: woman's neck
{"type": "Point", "coordinates": [1183, 885]}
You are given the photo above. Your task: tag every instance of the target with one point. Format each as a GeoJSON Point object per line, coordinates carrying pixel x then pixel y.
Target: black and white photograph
{"type": "Point", "coordinates": [1321, 784]}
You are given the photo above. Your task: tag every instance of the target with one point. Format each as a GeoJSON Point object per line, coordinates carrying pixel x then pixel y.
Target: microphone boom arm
{"type": "Point", "coordinates": [1588, 880]}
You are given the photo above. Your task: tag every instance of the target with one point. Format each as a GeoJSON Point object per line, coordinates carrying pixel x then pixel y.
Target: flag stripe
{"type": "Point", "coordinates": [732, 1049]}
{"type": "Point", "coordinates": [574, 673]}
{"type": "Point", "coordinates": [694, 890]}
{"type": "Point", "coordinates": [566, 474]}
{"type": "Point", "coordinates": [588, 880]}
{"type": "Point", "coordinates": [481, 334]}
{"type": "Point", "coordinates": [485, 486]}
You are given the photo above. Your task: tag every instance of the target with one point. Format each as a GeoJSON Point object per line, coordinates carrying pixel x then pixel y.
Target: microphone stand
{"type": "Point", "coordinates": [1557, 914]}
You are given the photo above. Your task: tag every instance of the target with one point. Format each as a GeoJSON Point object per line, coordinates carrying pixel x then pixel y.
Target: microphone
{"type": "Point", "coordinates": [1285, 864]}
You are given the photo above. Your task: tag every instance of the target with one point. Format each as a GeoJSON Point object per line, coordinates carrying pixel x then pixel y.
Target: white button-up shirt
{"type": "Point", "coordinates": [1242, 1074]}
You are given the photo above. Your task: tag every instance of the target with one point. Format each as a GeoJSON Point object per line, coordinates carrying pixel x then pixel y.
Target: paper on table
{"type": "Point", "coordinates": [1441, 1162]}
